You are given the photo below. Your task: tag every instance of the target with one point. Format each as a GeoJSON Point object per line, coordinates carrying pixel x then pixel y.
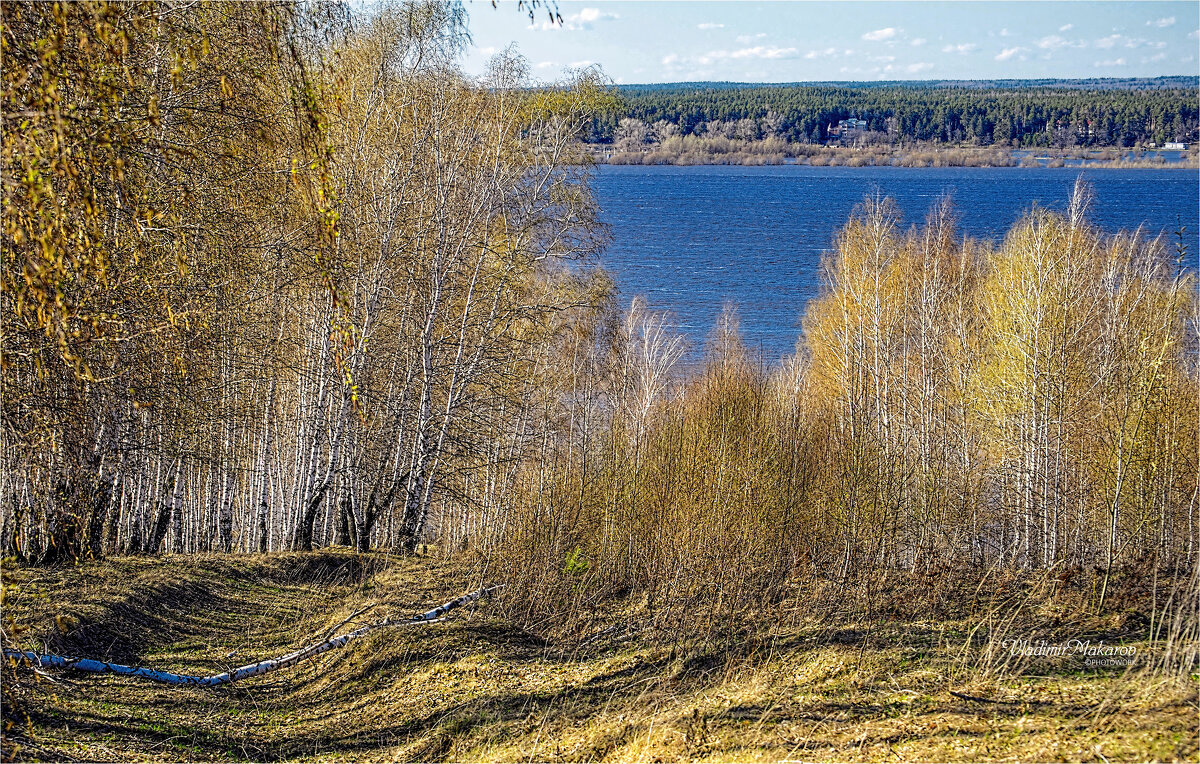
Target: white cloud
{"type": "Point", "coordinates": [1054, 42]}
{"type": "Point", "coordinates": [918, 42]}
{"type": "Point", "coordinates": [710, 25]}
{"type": "Point", "coordinates": [545, 65]}
{"type": "Point", "coordinates": [1161, 23]}
{"type": "Point", "coordinates": [762, 52]}
{"type": "Point", "coordinates": [577, 21]}
{"type": "Point", "coordinates": [670, 59]}
{"type": "Point", "coordinates": [595, 14]}
{"type": "Point", "coordinates": [1113, 40]}
{"type": "Point", "coordinates": [886, 33]}
{"type": "Point", "coordinates": [1155, 57]}
{"type": "Point", "coordinates": [1066, 27]}
{"type": "Point", "coordinates": [882, 59]}
{"type": "Point", "coordinates": [814, 54]}
{"type": "Point", "coordinates": [488, 51]}
{"type": "Point", "coordinates": [1113, 62]}
{"type": "Point", "coordinates": [961, 48]}
{"type": "Point", "coordinates": [581, 64]}
{"type": "Point", "coordinates": [1005, 33]}
{"type": "Point", "coordinates": [1008, 53]}
{"type": "Point", "coordinates": [1194, 35]}
{"type": "Point", "coordinates": [746, 38]}
{"type": "Point", "coordinates": [923, 66]}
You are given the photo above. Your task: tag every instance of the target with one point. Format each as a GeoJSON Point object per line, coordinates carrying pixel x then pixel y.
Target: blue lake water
{"type": "Point", "coordinates": [691, 239]}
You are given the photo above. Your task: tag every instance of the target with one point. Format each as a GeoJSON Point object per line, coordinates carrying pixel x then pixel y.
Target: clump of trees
{"type": "Point", "coordinates": [954, 407]}
{"type": "Point", "coordinates": [271, 273]}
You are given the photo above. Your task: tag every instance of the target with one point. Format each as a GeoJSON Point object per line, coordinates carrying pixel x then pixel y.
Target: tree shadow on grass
{"type": "Point", "coordinates": [209, 600]}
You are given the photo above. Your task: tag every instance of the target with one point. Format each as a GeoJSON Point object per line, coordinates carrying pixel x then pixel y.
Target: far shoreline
{"type": "Point", "coordinates": [1090, 166]}
{"type": "Point", "coordinates": [764, 154]}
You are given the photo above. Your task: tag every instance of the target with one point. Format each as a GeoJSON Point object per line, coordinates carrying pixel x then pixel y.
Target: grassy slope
{"type": "Point", "coordinates": [479, 688]}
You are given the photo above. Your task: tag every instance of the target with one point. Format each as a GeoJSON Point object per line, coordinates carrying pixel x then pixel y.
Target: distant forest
{"type": "Point", "coordinates": [1020, 113]}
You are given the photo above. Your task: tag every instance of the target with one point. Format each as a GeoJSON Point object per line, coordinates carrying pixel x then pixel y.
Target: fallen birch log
{"type": "Point", "coordinates": [245, 672]}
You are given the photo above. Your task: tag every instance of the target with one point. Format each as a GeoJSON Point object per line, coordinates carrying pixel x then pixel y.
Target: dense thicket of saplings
{"type": "Point", "coordinates": [275, 277]}
{"type": "Point", "coordinates": [1013, 116]}
{"type": "Point", "coordinates": [953, 406]}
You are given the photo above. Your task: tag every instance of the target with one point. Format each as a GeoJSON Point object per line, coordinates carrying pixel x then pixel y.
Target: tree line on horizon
{"type": "Point", "coordinates": [998, 116]}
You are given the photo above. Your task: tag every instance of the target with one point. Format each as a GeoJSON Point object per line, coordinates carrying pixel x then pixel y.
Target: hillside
{"type": "Point", "coordinates": [280, 281]}
{"type": "Point", "coordinates": [480, 687]}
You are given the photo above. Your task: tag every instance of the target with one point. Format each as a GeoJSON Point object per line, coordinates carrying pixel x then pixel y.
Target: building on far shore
{"type": "Point", "coordinates": [846, 126]}
{"type": "Point", "coordinates": [1175, 146]}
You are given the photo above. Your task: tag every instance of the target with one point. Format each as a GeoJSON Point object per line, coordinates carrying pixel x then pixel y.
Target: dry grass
{"type": "Point", "coordinates": [481, 688]}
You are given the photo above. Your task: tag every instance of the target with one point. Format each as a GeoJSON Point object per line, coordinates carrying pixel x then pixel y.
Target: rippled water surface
{"type": "Point", "coordinates": [692, 238]}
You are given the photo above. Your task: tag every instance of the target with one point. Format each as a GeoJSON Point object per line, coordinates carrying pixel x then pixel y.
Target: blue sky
{"type": "Point", "coordinates": [639, 41]}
